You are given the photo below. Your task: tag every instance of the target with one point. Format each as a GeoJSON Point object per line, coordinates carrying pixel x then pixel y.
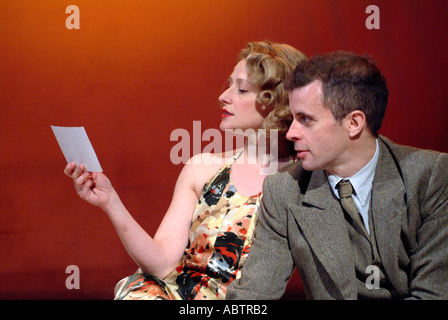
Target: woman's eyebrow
{"type": "Point", "coordinates": [241, 80]}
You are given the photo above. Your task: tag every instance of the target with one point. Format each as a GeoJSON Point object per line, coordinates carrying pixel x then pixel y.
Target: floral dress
{"type": "Point", "coordinates": [219, 241]}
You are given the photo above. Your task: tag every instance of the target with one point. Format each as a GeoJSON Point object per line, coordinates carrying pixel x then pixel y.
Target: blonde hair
{"type": "Point", "coordinates": [268, 64]}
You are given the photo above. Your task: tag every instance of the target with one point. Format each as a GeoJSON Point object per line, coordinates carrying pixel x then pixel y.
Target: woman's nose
{"type": "Point", "coordinates": [225, 97]}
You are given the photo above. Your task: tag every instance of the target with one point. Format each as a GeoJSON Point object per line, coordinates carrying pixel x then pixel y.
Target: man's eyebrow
{"type": "Point", "coordinates": [302, 113]}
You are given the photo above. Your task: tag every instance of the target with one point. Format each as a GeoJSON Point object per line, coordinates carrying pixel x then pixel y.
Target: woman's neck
{"type": "Point", "coordinates": [260, 149]}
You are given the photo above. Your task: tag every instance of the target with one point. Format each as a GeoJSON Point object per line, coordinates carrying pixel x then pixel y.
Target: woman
{"type": "Point", "coordinates": [204, 238]}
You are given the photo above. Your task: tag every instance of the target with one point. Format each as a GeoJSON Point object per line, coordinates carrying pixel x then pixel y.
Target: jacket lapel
{"type": "Point", "coordinates": [388, 206]}
{"type": "Point", "coordinates": [321, 218]}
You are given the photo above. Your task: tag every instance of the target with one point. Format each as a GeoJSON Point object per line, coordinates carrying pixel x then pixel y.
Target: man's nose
{"type": "Point", "coordinates": [294, 132]}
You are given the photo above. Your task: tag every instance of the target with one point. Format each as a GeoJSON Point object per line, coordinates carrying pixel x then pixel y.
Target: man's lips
{"type": "Point", "coordinates": [301, 153]}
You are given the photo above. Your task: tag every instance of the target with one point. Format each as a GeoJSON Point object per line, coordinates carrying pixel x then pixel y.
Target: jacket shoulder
{"type": "Point", "coordinates": [402, 152]}
{"type": "Point", "coordinates": [290, 180]}
{"type": "Point", "coordinates": [421, 170]}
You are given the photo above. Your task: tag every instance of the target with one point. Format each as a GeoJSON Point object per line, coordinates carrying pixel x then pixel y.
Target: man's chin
{"type": "Point", "coordinates": [308, 166]}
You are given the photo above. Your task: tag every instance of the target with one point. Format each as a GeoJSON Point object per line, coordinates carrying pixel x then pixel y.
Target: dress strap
{"type": "Point", "coordinates": [222, 171]}
{"type": "Point", "coordinates": [233, 159]}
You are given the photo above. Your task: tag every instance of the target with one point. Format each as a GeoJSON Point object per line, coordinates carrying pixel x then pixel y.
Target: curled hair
{"type": "Point", "coordinates": [349, 82]}
{"type": "Point", "coordinates": [268, 64]}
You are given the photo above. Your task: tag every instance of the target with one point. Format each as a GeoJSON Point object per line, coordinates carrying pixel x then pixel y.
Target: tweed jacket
{"type": "Point", "coordinates": [299, 226]}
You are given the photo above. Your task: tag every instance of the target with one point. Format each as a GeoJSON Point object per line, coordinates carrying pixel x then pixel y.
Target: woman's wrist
{"type": "Point", "coordinates": [113, 204]}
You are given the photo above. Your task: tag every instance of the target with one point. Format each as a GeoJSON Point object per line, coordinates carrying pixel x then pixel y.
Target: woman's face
{"type": "Point", "coordinates": [240, 109]}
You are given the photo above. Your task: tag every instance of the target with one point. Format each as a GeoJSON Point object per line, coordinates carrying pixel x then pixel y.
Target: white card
{"type": "Point", "coordinates": [76, 146]}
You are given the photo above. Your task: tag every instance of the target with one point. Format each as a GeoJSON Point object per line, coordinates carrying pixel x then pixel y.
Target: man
{"type": "Point", "coordinates": [359, 216]}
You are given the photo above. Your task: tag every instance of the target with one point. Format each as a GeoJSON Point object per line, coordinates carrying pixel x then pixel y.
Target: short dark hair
{"type": "Point", "coordinates": [349, 82]}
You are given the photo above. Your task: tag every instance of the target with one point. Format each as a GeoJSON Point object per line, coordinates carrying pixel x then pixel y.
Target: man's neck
{"type": "Point", "coordinates": [356, 158]}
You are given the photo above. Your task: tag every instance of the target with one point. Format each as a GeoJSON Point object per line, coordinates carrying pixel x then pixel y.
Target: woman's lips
{"type": "Point", "coordinates": [226, 114]}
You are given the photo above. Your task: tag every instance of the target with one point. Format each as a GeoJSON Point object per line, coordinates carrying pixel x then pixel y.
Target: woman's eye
{"type": "Point", "coordinates": [243, 90]}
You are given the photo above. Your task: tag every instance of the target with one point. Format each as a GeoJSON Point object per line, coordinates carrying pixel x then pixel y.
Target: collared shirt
{"type": "Point", "coordinates": [362, 186]}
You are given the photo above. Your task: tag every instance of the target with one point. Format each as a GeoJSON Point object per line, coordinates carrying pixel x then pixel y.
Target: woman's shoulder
{"type": "Point", "coordinates": [201, 167]}
{"type": "Point", "coordinates": [212, 161]}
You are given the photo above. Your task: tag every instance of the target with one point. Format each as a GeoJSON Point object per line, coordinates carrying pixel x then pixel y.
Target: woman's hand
{"type": "Point", "coordinates": [93, 187]}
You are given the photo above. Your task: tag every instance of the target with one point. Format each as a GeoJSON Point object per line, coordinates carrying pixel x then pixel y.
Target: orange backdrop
{"type": "Point", "coordinates": [137, 70]}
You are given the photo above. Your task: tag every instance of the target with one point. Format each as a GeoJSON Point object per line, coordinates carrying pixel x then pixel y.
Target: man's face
{"type": "Point", "coordinates": [320, 141]}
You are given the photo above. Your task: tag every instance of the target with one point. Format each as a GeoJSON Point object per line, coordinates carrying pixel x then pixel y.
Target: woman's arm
{"type": "Point", "coordinates": [159, 255]}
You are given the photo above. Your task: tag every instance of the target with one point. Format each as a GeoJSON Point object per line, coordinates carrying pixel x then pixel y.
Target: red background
{"type": "Point", "coordinates": [137, 70]}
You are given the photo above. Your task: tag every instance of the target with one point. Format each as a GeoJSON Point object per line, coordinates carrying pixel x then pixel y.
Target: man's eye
{"type": "Point", "coordinates": [304, 119]}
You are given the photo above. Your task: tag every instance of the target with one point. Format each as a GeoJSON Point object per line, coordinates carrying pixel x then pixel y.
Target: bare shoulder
{"type": "Point", "coordinates": [201, 168]}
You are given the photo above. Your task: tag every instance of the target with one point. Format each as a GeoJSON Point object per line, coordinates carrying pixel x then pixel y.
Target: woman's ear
{"type": "Point", "coordinates": [355, 123]}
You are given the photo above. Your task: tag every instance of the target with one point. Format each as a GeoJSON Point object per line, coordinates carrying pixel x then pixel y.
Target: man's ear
{"type": "Point", "coordinates": [355, 120]}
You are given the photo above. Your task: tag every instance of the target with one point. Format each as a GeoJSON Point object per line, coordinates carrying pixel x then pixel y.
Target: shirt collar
{"type": "Point", "coordinates": [361, 181]}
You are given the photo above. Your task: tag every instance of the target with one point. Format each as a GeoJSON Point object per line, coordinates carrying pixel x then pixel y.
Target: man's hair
{"type": "Point", "coordinates": [349, 82]}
